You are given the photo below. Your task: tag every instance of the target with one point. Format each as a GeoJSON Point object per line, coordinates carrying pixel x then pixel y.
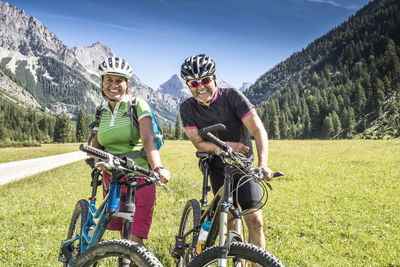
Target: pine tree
{"type": "Point", "coordinates": [327, 128]}
{"type": "Point", "coordinates": [178, 128]}
{"type": "Point", "coordinates": [82, 127]}
{"type": "Point", "coordinates": [62, 128]}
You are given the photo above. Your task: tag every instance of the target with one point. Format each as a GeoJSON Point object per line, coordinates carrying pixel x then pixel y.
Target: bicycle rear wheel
{"type": "Point", "coordinates": [189, 228]}
{"type": "Point", "coordinates": [110, 253]}
{"type": "Point", "coordinates": [79, 218]}
{"type": "Point", "coordinates": [239, 252]}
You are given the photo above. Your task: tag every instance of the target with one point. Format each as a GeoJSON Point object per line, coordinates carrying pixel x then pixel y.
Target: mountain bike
{"type": "Point", "coordinates": [231, 249]}
{"type": "Point", "coordinates": [83, 246]}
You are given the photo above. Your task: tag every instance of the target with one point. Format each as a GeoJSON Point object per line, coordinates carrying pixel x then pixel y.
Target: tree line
{"type": "Point", "coordinates": [22, 126]}
{"type": "Point", "coordinates": [345, 84]}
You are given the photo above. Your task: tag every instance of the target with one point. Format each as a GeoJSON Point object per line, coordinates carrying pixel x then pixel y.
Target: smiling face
{"type": "Point", "coordinates": [114, 87]}
{"type": "Point", "coordinates": [203, 93]}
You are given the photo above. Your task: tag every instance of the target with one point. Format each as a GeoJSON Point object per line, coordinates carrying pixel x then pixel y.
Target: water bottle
{"type": "Point", "coordinates": [205, 227]}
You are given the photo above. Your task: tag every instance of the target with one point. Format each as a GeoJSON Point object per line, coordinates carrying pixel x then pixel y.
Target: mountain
{"type": "Point", "coordinates": [345, 84]}
{"type": "Point", "coordinates": [38, 69]}
{"type": "Point", "coordinates": [175, 87]}
{"type": "Point", "coordinates": [178, 90]}
{"type": "Point", "coordinates": [245, 86]}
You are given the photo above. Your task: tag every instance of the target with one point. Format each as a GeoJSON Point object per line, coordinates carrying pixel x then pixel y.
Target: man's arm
{"type": "Point", "coordinates": [255, 126]}
{"type": "Point", "coordinates": [200, 144]}
{"type": "Point", "coordinates": [208, 147]}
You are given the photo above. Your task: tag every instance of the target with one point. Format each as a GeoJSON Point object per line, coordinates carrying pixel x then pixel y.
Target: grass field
{"type": "Point", "coordinates": [9, 154]}
{"type": "Point", "coordinates": [336, 206]}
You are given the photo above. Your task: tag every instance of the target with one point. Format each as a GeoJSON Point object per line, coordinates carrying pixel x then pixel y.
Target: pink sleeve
{"type": "Point", "coordinates": [248, 113]}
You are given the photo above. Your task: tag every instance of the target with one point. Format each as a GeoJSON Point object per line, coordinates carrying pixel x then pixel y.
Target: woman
{"type": "Point", "coordinates": [113, 136]}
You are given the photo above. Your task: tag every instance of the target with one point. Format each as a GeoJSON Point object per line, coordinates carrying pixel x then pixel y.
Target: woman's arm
{"type": "Point", "coordinates": [152, 153]}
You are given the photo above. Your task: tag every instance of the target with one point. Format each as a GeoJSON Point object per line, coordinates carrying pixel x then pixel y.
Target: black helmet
{"type": "Point", "coordinates": [196, 67]}
{"type": "Point", "coordinates": [115, 66]}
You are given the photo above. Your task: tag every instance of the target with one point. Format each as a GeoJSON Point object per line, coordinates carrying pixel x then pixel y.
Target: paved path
{"type": "Point", "coordinates": [16, 170]}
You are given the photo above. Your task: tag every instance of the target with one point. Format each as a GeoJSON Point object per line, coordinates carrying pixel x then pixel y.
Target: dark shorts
{"type": "Point", "coordinates": [250, 193]}
{"type": "Point", "coordinates": [144, 200]}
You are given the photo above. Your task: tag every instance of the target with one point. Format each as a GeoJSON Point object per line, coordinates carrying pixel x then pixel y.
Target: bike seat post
{"type": "Point", "coordinates": [206, 188]}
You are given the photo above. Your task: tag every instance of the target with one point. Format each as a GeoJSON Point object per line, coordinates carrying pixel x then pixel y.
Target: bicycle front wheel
{"type": "Point", "coordinates": [189, 228]}
{"type": "Point", "coordinates": [240, 254]}
{"type": "Point", "coordinates": [117, 252]}
{"type": "Point", "coordinates": [79, 217]}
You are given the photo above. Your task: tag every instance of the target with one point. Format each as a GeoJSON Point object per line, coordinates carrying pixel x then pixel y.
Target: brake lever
{"type": "Point", "coordinates": [102, 164]}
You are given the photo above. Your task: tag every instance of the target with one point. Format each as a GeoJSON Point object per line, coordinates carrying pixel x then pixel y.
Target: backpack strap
{"type": "Point", "coordinates": [132, 110]}
{"type": "Point", "coordinates": [96, 122]}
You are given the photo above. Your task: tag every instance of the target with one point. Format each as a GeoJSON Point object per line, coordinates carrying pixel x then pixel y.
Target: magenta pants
{"type": "Point", "coordinates": [144, 200]}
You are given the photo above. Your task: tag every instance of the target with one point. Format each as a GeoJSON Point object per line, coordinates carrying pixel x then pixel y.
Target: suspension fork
{"type": "Point", "coordinates": [129, 208]}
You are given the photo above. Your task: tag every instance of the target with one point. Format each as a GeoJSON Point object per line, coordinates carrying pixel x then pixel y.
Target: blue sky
{"type": "Point", "coordinates": [245, 38]}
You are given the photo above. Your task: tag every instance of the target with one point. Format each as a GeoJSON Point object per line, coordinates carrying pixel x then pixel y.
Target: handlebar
{"type": "Point", "coordinates": [118, 163]}
{"type": "Point", "coordinates": [228, 156]}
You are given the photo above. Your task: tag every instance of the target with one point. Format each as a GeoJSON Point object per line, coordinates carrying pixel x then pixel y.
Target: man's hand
{"type": "Point", "coordinates": [268, 174]}
{"type": "Point", "coordinates": [239, 147]}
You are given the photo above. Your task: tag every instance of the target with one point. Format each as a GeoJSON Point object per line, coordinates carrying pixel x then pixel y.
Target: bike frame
{"type": "Point", "coordinates": [107, 210]}
{"type": "Point", "coordinates": [218, 209]}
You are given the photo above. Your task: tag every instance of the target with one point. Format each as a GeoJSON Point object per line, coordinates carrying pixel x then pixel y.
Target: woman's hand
{"type": "Point", "coordinates": [164, 174]}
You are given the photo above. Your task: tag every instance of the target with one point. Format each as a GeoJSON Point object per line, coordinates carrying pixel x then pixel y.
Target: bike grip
{"type": "Point", "coordinates": [94, 151]}
{"type": "Point", "coordinates": [216, 127]}
{"type": "Point", "coordinates": [213, 139]}
{"type": "Point", "coordinates": [277, 174]}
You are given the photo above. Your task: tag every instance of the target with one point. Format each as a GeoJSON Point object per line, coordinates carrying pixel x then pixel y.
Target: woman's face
{"type": "Point", "coordinates": [114, 87]}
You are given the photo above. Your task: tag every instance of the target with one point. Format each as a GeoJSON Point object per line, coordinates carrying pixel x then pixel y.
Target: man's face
{"type": "Point", "coordinates": [114, 87]}
{"type": "Point", "coordinates": [203, 89]}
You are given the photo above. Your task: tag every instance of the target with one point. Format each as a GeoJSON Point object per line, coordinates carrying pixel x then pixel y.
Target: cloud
{"type": "Point", "coordinates": [335, 4]}
{"type": "Point", "coordinates": [108, 25]}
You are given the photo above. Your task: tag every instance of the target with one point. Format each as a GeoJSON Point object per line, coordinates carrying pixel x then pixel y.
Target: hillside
{"type": "Point", "coordinates": [345, 84]}
{"type": "Point", "coordinates": [54, 78]}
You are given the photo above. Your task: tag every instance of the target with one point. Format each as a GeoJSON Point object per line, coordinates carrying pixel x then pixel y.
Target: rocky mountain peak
{"type": "Point", "coordinates": [25, 34]}
{"type": "Point", "coordinates": [90, 57]}
{"type": "Point", "coordinates": [245, 86]}
{"type": "Point", "coordinates": [175, 87]}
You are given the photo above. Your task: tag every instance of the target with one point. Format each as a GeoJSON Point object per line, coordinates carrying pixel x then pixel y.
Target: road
{"type": "Point", "coordinates": [16, 170]}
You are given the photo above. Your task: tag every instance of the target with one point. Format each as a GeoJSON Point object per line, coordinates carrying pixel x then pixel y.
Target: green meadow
{"type": "Point", "coordinates": [9, 154]}
{"type": "Point", "coordinates": [337, 205]}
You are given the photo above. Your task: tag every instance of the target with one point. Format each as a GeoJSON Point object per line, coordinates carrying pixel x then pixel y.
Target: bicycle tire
{"type": "Point", "coordinates": [79, 218]}
{"type": "Point", "coordinates": [237, 250]}
{"type": "Point", "coordinates": [190, 220]}
{"type": "Point", "coordinates": [112, 251]}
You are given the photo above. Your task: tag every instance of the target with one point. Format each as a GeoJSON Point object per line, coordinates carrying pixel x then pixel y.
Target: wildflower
{"type": "Point", "coordinates": [22, 248]}
{"type": "Point", "coordinates": [6, 249]}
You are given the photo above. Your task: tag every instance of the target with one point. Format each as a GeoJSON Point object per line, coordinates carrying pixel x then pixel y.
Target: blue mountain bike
{"type": "Point", "coordinates": [83, 246]}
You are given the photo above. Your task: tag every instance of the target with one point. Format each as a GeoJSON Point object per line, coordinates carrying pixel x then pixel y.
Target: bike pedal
{"type": "Point", "coordinates": [179, 249]}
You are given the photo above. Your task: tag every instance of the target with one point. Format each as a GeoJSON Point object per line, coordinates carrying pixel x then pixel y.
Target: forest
{"type": "Point", "coordinates": [345, 84]}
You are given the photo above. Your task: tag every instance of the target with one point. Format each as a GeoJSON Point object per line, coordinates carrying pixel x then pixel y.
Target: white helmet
{"type": "Point", "coordinates": [115, 66]}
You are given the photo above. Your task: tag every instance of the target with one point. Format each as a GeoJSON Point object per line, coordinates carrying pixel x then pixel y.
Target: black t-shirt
{"type": "Point", "coordinates": [229, 107]}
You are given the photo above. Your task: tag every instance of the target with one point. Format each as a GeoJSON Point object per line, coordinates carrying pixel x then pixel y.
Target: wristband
{"type": "Point", "coordinates": [159, 168]}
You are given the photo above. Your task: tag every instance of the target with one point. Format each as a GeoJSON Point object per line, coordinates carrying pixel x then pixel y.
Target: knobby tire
{"type": "Point", "coordinates": [238, 250]}
{"type": "Point", "coordinates": [79, 218]}
{"type": "Point", "coordinates": [111, 251]}
{"type": "Point", "coordinates": [190, 220]}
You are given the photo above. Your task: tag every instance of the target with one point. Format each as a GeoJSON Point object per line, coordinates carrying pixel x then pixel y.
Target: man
{"type": "Point", "coordinates": [211, 105]}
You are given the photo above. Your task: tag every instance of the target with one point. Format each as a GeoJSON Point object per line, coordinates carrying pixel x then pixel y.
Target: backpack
{"type": "Point", "coordinates": [132, 113]}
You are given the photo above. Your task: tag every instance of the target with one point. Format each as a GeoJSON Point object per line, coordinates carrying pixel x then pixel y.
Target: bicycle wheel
{"type": "Point", "coordinates": [248, 253]}
{"type": "Point", "coordinates": [79, 217]}
{"type": "Point", "coordinates": [189, 228]}
{"type": "Point", "coordinates": [110, 253]}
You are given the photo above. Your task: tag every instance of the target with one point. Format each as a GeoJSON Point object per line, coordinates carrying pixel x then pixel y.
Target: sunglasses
{"type": "Point", "coordinates": [204, 81]}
